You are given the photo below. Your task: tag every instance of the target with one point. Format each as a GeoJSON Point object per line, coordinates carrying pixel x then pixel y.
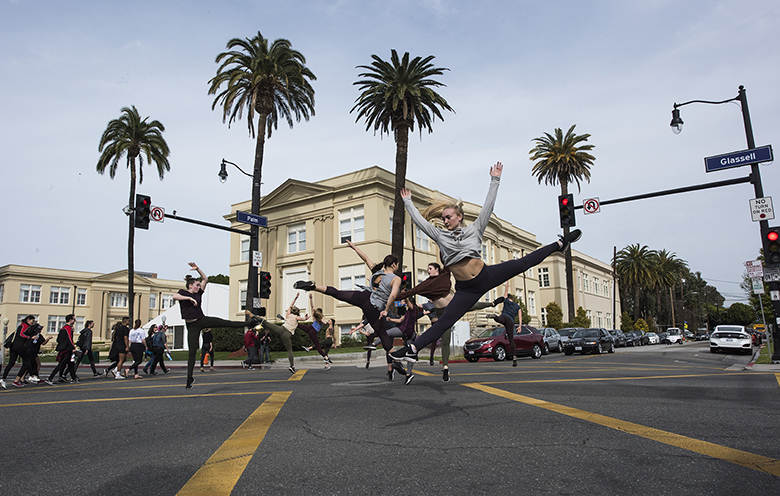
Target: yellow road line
{"type": "Point", "coordinates": [99, 400]}
{"type": "Point", "coordinates": [219, 475]}
{"type": "Point", "coordinates": [749, 460]}
{"type": "Point", "coordinates": [627, 378]}
{"type": "Point", "coordinates": [298, 375]}
{"type": "Point", "coordinates": [777, 376]}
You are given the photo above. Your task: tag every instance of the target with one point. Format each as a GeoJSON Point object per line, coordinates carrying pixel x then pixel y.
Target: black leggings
{"type": "Point", "coordinates": [88, 353]}
{"type": "Point", "coordinates": [468, 292]}
{"type": "Point", "coordinates": [193, 336]}
{"type": "Point", "coordinates": [312, 332]}
{"type": "Point", "coordinates": [137, 349]}
{"type": "Point", "coordinates": [361, 299]}
{"type": "Point", "coordinates": [17, 351]}
{"type": "Point", "coordinates": [509, 325]}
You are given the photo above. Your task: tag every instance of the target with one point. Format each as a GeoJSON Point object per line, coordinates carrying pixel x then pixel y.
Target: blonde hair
{"type": "Point", "coordinates": [434, 210]}
{"type": "Point", "coordinates": [295, 310]}
{"type": "Point", "coordinates": [317, 314]}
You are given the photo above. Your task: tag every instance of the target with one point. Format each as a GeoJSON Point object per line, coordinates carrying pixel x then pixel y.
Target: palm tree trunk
{"type": "Point", "coordinates": [399, 213]}
{"type": "Point", "coordinates": [131, 244]}
{"type": "Point", "coordinates": [569, 264]}
{"type": "Point", "coordinates": [257, 180]}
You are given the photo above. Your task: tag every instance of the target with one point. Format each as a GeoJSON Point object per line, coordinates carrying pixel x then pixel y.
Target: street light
{"type": "Point", "coordinates": [251, 283]}
{"type": "Point", "coordinates": [755, 177]}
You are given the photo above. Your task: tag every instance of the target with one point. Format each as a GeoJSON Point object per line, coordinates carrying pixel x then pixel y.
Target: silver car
{"type": "Point", "coordinates": [552, 340]}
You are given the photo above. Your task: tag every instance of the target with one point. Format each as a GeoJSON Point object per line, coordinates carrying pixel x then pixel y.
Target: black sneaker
{"type": "Point", "coordinates": [405, 354]}
{"type": "Point", "coordinates": [305, 285]}
{"type": "Point", "coordinates": [514, 362]}
{"type": "Point", "coordinates": [291, 369]}
{"type": "Point", "coordinates": [390, 374]}
{"type": "Point", "coordinates": [398, 368]}
{"type": "Point", "coordinates": [431, 362]}
{"type": "Point", "coordinates": [367, 364]}
{"type": "Point", "coordinates": [189, 383]}
{"type": "Point", "coordinates": [369, 347]}
{"type": "Point", "coordinates": [498, 301]}
{"type": "Point", "coordinates": [62, 379]}
{"type": "Point", "coordinates": [408, 379]}
{"type": "Point", "coordinates": [279, 316]}
{"type": "Point", "coordinates": [445, 375]}
{"type": "Point", "coordinates": [568, 239]}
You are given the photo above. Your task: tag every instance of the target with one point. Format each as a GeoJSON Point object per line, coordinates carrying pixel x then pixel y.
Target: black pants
{"type": "Point", "coordinates": [64, 365]}
{"type": "Point", "coordinates": [252, 356]}
{"type": "Point", "coordinates": [87, 352]}
{"type": "Point", "coordinates": [193, 336]}
{"type": "Point", "coordinates": [17, 351]}
{"type": "Point", "coordinates": [137, 349]}
{"type": "Point", "coordinates": [361, 299]}
{"type": "Point", "coordinates": [159, 359]}
{"type": "Point", "coordinates": [509, 325]}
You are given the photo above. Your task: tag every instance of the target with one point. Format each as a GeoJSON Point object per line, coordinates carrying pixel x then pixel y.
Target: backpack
{"type": "Point", "coordinates": [62, 340]}
{"type": "Point", "coordinates": [82, 340]}
{"type": "Point", "coordinates": [9, 340]}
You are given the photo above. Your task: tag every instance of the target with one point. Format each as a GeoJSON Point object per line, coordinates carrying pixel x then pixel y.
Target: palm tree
{"type": "Point", "coordinates": [667, 272]}
{"type": "Point", "coordinates": [271, 81]}
{"type": "Point", "coordinates": [635, 266]}
{"type": "Point", "coordinates": [394, 96]}
{"type": "Point", "coordinates": [133, 137]}
{"type": "Point", "coordinates": [563, 159]}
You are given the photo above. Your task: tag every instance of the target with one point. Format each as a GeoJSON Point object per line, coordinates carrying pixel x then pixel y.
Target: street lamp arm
{"type": "Point", "coordinates": [736, 98]}
{"type": "Point", "coordinates": [223, 170]}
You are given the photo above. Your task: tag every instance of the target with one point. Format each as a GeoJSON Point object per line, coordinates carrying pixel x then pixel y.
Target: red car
{"type": "Point", "coordinates": [493, 344]}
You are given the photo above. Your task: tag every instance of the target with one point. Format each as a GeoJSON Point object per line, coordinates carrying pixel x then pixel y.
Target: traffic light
{"type": "Point", "coordinates": [406, 280]}
{"type": "Point", "coordinates": [566, 210]}
{"type": "Point", "coordinates": [265, 285]}
{"type": "Point", "coordinates": [143, 207]}
{"type": "Point", "coordinates": [772, 247]}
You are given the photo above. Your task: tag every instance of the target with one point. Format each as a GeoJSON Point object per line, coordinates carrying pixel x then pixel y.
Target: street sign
{"type": "Point", "coordinates": [157, 214]}
{"type": "Point", "coordinates": [738, 159]}
{"type": "Point", "coordinates": [758, 286]}
{"type": "Point", "coordinates": [255, 220]}
{"type": "Point", "coordinates": [761, 209]}
{"type": "Point", "coordinates": [257, 258]}
{"type": "Point", "coordinates": [755, 269]}
{"type": "Point", "coordinates": [771, 274]}
{"type": "Point", "coordinates": [774, 295]}
{"type": "Point", "coordinates": [591, 206]}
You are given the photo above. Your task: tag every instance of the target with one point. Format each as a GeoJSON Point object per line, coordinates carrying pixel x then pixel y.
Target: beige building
{"type": "Point", "coordinates": [51, 294]}
{"type": "Point", "coordinates": [309, 223]}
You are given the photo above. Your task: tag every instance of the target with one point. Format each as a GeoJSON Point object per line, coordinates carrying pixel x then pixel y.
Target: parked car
{"type": "Point", "coordinates": [566, 333]}
{"type": "Point", "coordinates": [494, 344]}
{"type": "Point", "coordinates": [703, 335]}
{"type": "Point", "coordinates": [688, 334]}
{"type": "Point", "coordinates": [652, 338]}
{"type": "Point", "coordinates": [589, 341]}
{"type": "Point", "coordinates": [552, 340]}
{"type": "Point", "coordinates": [731, 338]}
{"type": "Point", "coordinates": [637, 338]}
{"type": "Point", "coordinates": [618, 337]}
{"type": "Point", "coordinates": [673, 335]}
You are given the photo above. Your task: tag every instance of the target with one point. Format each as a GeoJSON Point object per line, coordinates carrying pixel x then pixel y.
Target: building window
{"type": "Point", "coordinates": [589, 316]}
{"type": "Point", "coordinates": [391, 222]}
{"type": "Point", "coordinates": [345, 328]}
{"type": "Point", "coordinates": [422, 239]}
{"type": "Point", "coordinates": [29, 293]}
{"type": "Point", "coordinates": [544, 316]}
{"type": "Point", "coordinates": [244, 249]}
{"type": "Point", "coordinates": [81, 297]}
{"type": "Point", "coordinates": [167, 301]}
{"type": "Point", "coordinates": [608, 318]}
{"type": "Point", "coordinates": [544, 277]}
{"type": "Point", "coordinates": [606, 289]}
{"type": "Point", "coordinates": [531, 303]}
{"type": "Point", "coordinates": [296, 238]}
{"type": "Point", "coordinates": [118, 300]}
{"type": "Point", "coordinates": [152, 301]}
{"type": "Point", "coordinates": [599, 322]}
{"type": "Point", "coordinates": [352, 225]}
{"type": "Point", "coordinates": [55, 323]}
{"type": "Point", "coordinates": [352, 275]}
{"type": "Point", "coordinates": [59, 296]}
{"type": "Point", "coordinates": [2, 292]}
{"type": "Point", "coordinates": [596, 287]}
{"type": "Point", "coordinates": [585, 283]}
{"type": "Point", "coordinates": [485, 253]}
{"type": "Point", "coordinates": [242, 285]}
{"type": "Point", "coordinates": [79, 324]}
{"type": "Point", "coordinates": [422, 274]}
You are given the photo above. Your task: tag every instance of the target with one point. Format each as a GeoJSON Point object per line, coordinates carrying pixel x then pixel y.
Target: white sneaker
{"type": "Point", "coordinates": [2, 383]}
{"type": "Point", "coordinates": [35, 379]}
{"type": "Point", "coordinates": [119, 376]}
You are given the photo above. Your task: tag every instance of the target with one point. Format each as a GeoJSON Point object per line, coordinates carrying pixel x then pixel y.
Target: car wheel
{"type": "Point", "coordinates": [472, 359]}
{"type": "Point", "coordinates": [568, 352]}
{"type": "Point", "coordinates": [560, 347]}
{"type": "Point", "coordinates": [611, 348]}
{"type": "Point", "coordinates": [499, 354]}
{"type": "Point", "coordinates": [546, 350]}
{"type": "Point", "coordinates": [599, 349]}
{"type": "Point", "coordinates": [536, 352]}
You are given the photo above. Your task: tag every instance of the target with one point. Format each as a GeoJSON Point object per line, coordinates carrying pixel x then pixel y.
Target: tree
{"type": "Point", "coordinates": [393, 96]}
{"type": "Point", "coordinates": [219, 279]}
{"type": "Point", "coordinates": [554, 316]}
{"type": "Point", "coordinates": [626, 323]}
{"type": "Point", "coordinates": [271, 81]}
{"type": "Point", "coordinates": [641, 325]}
{"type": "Point", "coordinates": [740, 314]}
{"type": "Point", "coordinates": [666, 273]}
{"type": "Point", "coordinates": [563, 159]}
{"type": "Point", "coordinates": [132, 137]}
{"type": "Point", "coordinates": [581, 320]}
{"type": "Point", "coordinates": [635, 266]}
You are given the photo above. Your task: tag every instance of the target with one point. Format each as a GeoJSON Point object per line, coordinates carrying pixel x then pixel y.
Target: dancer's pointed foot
{"type": "Point", "coordinates": [305, 285]}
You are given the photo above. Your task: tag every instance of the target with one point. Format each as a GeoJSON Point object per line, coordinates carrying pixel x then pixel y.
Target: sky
{"type": "Point", "coordinates": [517, 69]}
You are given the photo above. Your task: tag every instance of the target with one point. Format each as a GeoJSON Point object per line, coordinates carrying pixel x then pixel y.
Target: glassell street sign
{"type": "Point", "coordinates": [738, 159]}
{"type": "Point", "coordinates": [255, 220]}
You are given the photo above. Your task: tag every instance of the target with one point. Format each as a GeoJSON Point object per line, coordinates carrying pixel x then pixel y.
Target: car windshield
{"type": "Point", "coordinates": [567, 332]}
{"type": "Point", "coordinates": [729, 329]}
{"type": "Point", "coordinates": [651, 334]}
{"type": "Point", "coordinates": [587, 333]}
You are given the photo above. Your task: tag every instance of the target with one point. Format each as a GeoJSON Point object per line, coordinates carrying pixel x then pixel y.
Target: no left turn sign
{"type": "Point", "coordinates": [157, 214]}
{"type": "Point", "coordinates": [591, 206]}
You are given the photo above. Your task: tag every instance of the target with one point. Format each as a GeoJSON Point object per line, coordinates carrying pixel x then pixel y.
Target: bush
{"type": "Point", "coordinates": [641, 325]}
{"type": "Point", "coordinates": [626, 322]}
{"type": "Point", "coordinates": [348, 341]}
{"type": "Point", "coordinates": [554, 316]}
{"type": "Point", "coordinates": [227, 338]}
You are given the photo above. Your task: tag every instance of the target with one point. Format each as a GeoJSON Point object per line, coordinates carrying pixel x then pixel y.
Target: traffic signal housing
{"type": "Point", "coordinates": [265, 285]}
{"type": "Point", "coordinates": [772, 247]}
{"type": "Point", "coordinates": [566, 210]}
{"type": "Point", "coordinates": [143, 208]}
{"type": "Point", "coordinates": [406, 280]}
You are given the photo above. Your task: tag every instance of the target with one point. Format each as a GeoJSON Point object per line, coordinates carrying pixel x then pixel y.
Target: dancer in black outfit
{"type": "Point", "coordinates": [19, 350]}
{"type": "Point", "coordinates": [192, 313]}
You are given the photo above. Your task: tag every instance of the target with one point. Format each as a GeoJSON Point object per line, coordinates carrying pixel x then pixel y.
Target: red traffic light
{"type": "Point", "coordinates": [772, 236]}
{"type": "Point", "coordinates": [564, 201]}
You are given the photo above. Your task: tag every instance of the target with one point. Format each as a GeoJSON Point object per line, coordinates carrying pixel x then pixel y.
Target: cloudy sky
{"type": "Point", "coordinates": [517, 69]}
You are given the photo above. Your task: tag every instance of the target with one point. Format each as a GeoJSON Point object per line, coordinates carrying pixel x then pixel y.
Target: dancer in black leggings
{"type": "Point", "coordinates": [192, 313]}
{"type": "Point", "coordinates": [460, 249]}
{"type": "Point", "coordinates": [376, 301]}
{"type": "Point", "coordinates": [312, 329]}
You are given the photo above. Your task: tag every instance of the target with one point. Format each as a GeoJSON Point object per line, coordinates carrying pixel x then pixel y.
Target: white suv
{"type": "Point", "coordinates": [674, 335]}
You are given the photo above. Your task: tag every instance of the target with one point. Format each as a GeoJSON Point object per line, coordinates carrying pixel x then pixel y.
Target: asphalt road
{"type": "Point", "coordinates": [651, 420]}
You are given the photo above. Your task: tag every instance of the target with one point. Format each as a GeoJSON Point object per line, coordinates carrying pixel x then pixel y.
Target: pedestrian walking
{"type": "Point", "coordinates": [65, 348]}
{"type": "Point", "coordinates": [250, 346]}
{"type": "Point", "coordinates": [207, 350]}
{"type": "Point", "coordinates": [137, 347]}
{"type": "Point", "coordinates": [265, 347]}
{"type": "Point", "coordinates": [85, 345]}
{"type": "Point", "coordinates": [19, 350]}
{"type": "Point", "coordinates": [159, 346]}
